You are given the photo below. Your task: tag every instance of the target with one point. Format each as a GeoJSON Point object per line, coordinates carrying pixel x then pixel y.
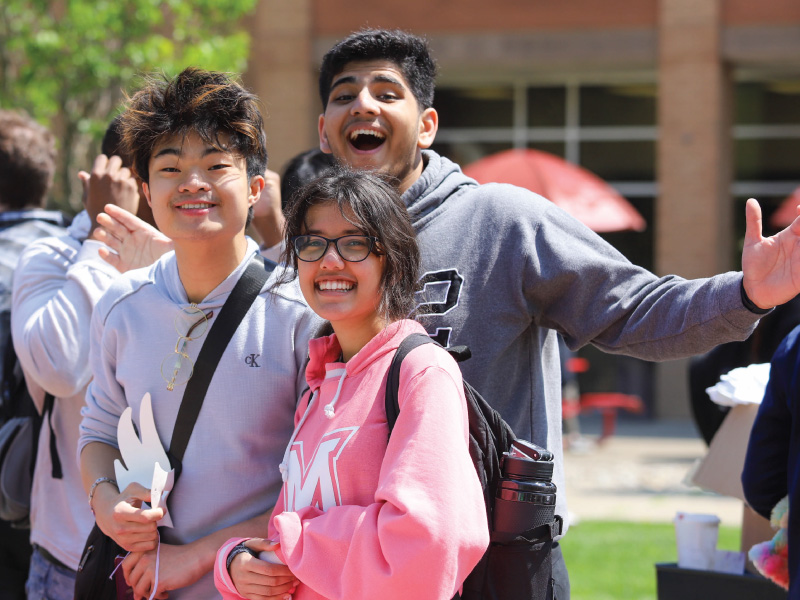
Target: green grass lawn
{"type": "Point", "coordinates": [616, 560]}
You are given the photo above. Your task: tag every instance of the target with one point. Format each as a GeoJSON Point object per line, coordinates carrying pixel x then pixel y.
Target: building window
{"type": "Point", "coordinates": [766, 146]}
{"type": "Point", "coordinates": [608, 128]}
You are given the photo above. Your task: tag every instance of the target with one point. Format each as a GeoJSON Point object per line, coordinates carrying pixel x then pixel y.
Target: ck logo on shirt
{"type": "Point", "coordinates": [314, 481]}
{"type": "Point", "coordinates": [250, 361]}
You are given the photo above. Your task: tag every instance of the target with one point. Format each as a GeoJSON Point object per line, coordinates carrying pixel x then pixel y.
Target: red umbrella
{"type": "Point", "coordinates": [787, 211]}
{"type": "Point", "coordinates": [581, 193]}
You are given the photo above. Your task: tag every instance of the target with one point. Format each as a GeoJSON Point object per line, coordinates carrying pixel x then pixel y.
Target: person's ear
{"type": "Point", "coordinates": [146, 190]}
{"type": "Point", "coordinates": [323, 136]}
{"type": "Point", "coordinates": [428, 126]}
{"type": "Point", "coordinates": [256, 183]}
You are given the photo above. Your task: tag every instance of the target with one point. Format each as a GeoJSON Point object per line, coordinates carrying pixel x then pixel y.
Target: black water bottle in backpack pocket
{"type": "Point", "coordinates": [524, 525]}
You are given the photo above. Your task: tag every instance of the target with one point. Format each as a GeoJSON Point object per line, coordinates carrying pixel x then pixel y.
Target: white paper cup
{"type": "Point", "coordinates": [696, 538]}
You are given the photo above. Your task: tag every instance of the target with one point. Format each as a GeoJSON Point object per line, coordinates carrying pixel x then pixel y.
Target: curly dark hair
{"type": "Point", "coordinates": [376, 209]}
{"type": "Point", "coordinates": [195, 101]}
{"type": "Point", "coordinates": [409, 52]}
{"type": "Point", "coordinates": [27, 161]}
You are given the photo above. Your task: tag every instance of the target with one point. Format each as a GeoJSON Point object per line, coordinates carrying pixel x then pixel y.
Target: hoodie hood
{"type": "Point", "coordinates": [441, 180]}
{"type": "Point", "coordinates": [171, 287]}
{"type": "Point", "coordinates": [324, 353]}
{"type": "Point", "coordinates": [324, 363]}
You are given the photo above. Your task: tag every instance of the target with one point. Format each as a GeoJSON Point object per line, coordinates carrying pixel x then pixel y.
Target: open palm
{"type": "Point", "coordinates": [771, 266]}
{"type": "Point", "coordinates": [135, 243]}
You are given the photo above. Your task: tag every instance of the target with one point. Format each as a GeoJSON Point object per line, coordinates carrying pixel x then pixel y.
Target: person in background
{"type": "Point", "coordinates": [705, 370]}
{"type": "Point", "coordinates": [268, 220]}
{"type": "Point", "coordinates": [302, 169]}
{"type": "Point", "coordinates": [57, 283]}
{"type": "Point", "coordinates": [27, 165]}
{"type": "Point", "coordinates": [772, 462]}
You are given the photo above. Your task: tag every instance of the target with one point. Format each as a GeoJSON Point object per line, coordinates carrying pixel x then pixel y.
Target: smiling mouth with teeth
{"type": "Point", "coordinates": [196, 205]}
{"type": "Point", "coordinates": [343, 286]}
{"type": "Point", "coordinates": [366, 139]}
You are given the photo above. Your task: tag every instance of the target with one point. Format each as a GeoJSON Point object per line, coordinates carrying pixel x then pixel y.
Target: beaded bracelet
{"type": "Point", "coordinates": [97, 482]}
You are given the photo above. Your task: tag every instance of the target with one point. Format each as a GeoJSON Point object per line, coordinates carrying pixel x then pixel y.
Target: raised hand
{"type": "Point", "coordinates": [135, 243]}
{"type": "Point", "coordinates": [108, 183]}
{"type": "Point", "coordinates": [771, 266]}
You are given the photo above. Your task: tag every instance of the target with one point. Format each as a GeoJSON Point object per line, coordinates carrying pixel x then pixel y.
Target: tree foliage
{"type": "Point", "coordinates": [69, 63]}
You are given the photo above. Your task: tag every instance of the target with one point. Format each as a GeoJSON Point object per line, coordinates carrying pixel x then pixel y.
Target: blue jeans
{"type": "Point", "coordinates": [47, 581]}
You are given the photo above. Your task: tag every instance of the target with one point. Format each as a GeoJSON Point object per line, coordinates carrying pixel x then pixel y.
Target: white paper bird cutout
{"type": "Point", "coordinates": [144, 458]}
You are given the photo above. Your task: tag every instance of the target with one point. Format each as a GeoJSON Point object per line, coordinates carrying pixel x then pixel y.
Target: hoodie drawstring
{"type": "Point", "coordinates": [329, 413]}
{"type": "Point", "coordinates": [284, 466]}
{"type": "Point", "coordinates": [329, 407]}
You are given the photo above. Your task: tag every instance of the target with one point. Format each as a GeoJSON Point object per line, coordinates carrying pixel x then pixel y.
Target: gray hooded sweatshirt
{"type": "Point", "coordinates": [504, 268]}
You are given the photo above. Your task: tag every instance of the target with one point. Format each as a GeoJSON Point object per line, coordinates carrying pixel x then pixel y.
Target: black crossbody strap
{"type": "Point", "coordinates": [230, 316]}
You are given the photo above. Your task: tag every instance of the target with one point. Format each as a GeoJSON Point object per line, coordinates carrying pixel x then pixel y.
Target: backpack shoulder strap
{"type": "Point", "coordinates": [393, 380]}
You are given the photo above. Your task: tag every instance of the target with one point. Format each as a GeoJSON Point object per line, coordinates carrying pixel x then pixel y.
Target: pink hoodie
{"type": "Point", "coordinates": [358, 518]}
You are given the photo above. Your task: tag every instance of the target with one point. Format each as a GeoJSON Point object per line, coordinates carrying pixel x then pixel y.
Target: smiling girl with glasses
{"type": "Point", "coordinates": [362, 515]}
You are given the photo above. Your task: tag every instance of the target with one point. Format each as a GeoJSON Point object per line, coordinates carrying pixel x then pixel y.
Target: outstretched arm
{"type": "Point", "coordinates": [771, 266]}
{"type": "Point", "coordinates": [136, 243]}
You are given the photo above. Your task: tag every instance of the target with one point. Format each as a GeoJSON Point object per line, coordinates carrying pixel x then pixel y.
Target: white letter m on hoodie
{"type": "Point", "coordinates": [316, 483]}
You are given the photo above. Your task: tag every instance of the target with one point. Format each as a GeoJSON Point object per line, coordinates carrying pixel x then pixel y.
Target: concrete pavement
{"type": "Point", "coordinates": [638, 474]}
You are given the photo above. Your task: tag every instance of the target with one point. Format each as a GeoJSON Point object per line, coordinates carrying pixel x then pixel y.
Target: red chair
{"type": "Point", "coordinates": [606, 403]}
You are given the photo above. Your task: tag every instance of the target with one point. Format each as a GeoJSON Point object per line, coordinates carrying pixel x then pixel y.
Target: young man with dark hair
{"type": "Point", "coordinates": [198, 145]}
{"type": "Point", "coordinates": [527, 269]}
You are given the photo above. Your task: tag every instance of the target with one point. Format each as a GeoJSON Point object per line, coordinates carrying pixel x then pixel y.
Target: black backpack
{"type": "Point", "coordinates": [516, 570]}
{"type": "Point", "coordinates": [19, 441]}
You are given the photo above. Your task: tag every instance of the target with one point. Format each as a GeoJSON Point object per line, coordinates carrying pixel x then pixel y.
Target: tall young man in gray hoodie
{"type": "Point", "coordinates": [504, 269]}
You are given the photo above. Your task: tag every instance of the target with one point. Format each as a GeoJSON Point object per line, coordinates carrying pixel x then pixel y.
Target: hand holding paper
{"type": "Point", "coordinates": [145, 458]}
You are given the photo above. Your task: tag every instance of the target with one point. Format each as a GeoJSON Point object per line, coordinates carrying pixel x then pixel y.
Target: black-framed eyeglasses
{"type": "Point", "coordinates": [352, 248]}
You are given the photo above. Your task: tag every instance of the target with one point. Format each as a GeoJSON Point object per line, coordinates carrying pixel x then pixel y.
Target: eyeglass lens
{"type": "Point", "coordinates": [352, 248]}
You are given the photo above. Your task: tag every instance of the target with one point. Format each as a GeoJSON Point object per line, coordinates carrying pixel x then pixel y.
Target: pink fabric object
{"type": "Point", "coordinates": [581, 193]}
{"type": "Point", "coordinates": [787, 211]}
{"type": "Point", "coordinates": [771, 558]}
